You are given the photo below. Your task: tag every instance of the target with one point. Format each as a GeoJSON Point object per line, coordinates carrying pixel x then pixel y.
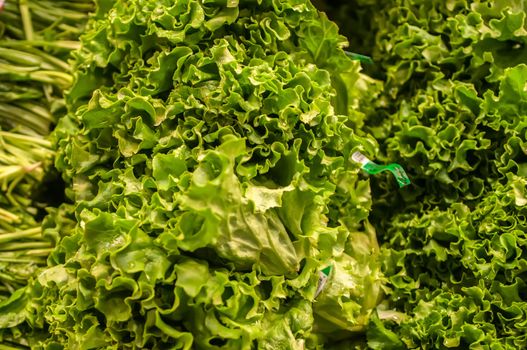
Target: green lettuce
{"type": "Point", "coordinates": [206, 157]}
{"type": "Point", "coordinates": [453, 111]}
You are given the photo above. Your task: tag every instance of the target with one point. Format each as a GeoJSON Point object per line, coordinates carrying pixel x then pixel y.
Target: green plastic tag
{"type": "Point", "coordinates": [323, 276]}
{"type": "Point", "coordinates": [373, 168]}
{"type": "Point", "coordinates": [359, 57]}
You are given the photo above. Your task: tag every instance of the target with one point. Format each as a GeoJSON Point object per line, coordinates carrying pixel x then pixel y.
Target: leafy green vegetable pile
{"type": "Point", "coordinates": [206, 158]}
{"type": "Point", "coordinates": [453, 111]}
{"type": "Point", "coordinates": [206, 153]}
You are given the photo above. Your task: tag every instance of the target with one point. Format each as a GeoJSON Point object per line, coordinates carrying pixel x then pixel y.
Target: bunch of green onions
{"type": "Point", "coordinates": [36, 40]}
{"type": "Point", "coordinates": [22, 247]}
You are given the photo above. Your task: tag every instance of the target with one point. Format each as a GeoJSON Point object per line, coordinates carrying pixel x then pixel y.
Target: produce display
{"type": "Point", "coordinates": [263, 174]}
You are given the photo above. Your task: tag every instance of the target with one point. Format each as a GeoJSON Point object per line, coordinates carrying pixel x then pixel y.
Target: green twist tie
{"type": "Point", "coordinates": [323, 276]}
{"type": "Point", "coordinates": [373, 168]}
